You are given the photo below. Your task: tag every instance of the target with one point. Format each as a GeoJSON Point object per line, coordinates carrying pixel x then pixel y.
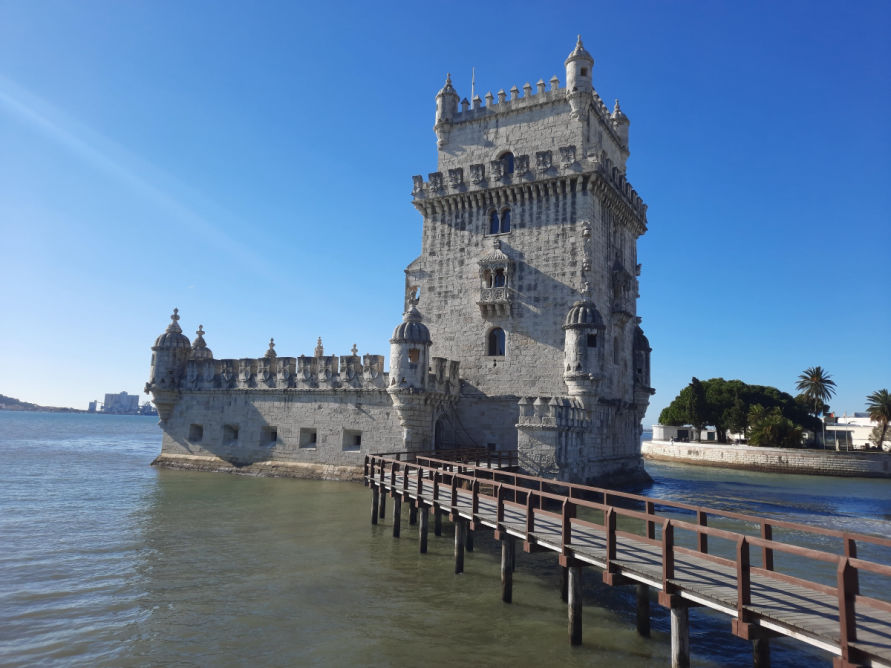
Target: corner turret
{"type": "Point", "coordinates": [446, 110]}
{"type": "Point", "coordinates": [582, 349]}
{"type": "Point", "coordinates": [169, 356]}
{"type": "Point", "coordinates": [579, 65]}
{"type": "Point", "coordinates": [620, 123]}
{"type": "Point", "coordinates": [410, 353]}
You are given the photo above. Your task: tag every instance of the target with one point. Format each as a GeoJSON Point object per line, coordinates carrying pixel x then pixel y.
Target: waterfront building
{"type": "Point", "coordinates": [121, 403]}
{"type": "Point", "coordinates": [519, 331]}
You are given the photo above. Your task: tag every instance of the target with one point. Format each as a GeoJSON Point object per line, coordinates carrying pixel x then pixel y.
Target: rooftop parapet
{"type": "Point", "coordinates": [565, 162]}
{"type": "Point", "coordinates": [552, 413]}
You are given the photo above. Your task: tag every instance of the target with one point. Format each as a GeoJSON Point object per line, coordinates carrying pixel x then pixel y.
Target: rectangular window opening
{"type": "Point", "coordinates": [196, 433]}
{"type": "Point", "coordinates": [230, 433]}
{"type": "Point", "coordinates": [592, 340]}
{"type": "Point", "coordinates": [352, 440]}
{"type": "Point", "coordinates": [308, 438]}
{"type": "Point", "coordinates": [268, 436]}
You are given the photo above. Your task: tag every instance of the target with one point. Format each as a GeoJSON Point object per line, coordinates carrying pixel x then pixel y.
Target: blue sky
{"type": "Point", "coordinates": [251, 164]}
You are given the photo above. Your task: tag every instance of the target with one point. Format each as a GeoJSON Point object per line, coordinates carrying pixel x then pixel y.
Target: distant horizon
{"type": "Point", "coordinates": [252, 166]}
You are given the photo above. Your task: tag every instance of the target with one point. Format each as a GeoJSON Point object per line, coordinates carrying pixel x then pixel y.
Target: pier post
{"type": "Point", "coordinates": [574, 585]}
{"type": "Point", "coordinates": [383, 510]}
{"type": "Point", "coordinates": [761, 653]}
{"type": "Point", "coordinates": [680, 637]}
{"type": "Point", "coordinates": [469, 542]}
{"type": "Point", "coordinates": [643, 609]}
{"type": "Point", "coordinates": [422, 529]}
{"type": "Point", "coordinates": [460, 538]}
{"type": "Point", "coordinates": [412, 514]}
{"type": "Point", "coordinates": [508, 550]}
{"type": "Point", "coordinates": [375, 502]}
{"type": "Point", "coordinates": [437, 521]}
{"type": "Point", "coordinates": [564, 584]}
{"type": "Point", "coordinates": [397, 515]}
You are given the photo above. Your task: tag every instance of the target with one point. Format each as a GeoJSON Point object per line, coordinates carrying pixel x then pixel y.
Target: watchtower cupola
{"type": "Point", "coordinates": [579, 65]}
{"type": "Point", "coordinates": [446, 110]}
{"type": "Point", "coordinates": [410, 353]}
{"type": "Point", "coordinates": [582, 348]}
{"type": "Point", "coordinates": [169, 357]}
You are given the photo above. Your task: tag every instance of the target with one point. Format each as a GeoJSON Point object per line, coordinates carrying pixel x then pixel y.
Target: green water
{"type": "Point", "coordinates": [110, 562]}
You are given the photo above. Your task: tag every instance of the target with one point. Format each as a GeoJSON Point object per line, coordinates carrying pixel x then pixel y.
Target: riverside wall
{"type": "Point", "coordinates": [775, 460]}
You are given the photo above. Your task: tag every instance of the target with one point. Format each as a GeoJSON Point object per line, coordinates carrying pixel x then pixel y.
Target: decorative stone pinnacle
{"type": "Point", "coordinates": [174, 325]}
{"type": "Point", "coordinates": [496, 244]}
{"type": "Point", "coordinates": [320, 349]}
{"type": "Point", "coordinates": [271, 352]}
{"type": "Point", "coordinates": [200, 331]}
{"type": "Point", "coordinates": [354, 350]}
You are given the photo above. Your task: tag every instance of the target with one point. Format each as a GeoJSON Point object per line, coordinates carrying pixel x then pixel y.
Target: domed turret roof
{"type": "Point", "coordinates": [618, 114]}
{"type": "Point", "coordinates": [173, 338]}
{"type": "Point", "coordinates": [641, 342]}
{"type": "Point", "coordinates": [447, 88]}
{"type": "Point", "coordinates": [579, 52]}
{"type": "Point", "coordinates": [496, 256]}
{"type": "Point", "coordinates": [583, 314]}
{"type": "Point", "coordinates": [411, 329]}
{"type": "Point", "coordinates": [200, 351]}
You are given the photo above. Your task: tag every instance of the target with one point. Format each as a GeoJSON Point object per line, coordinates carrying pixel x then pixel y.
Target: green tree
{"type": "Point", "coordinates": [727, 404]}
{"type": "Point", "coordinates": [737, 418]}
{"type": "Point", "coordinates": [816, 386]}
{"type": "Point", "coordinates": [697, 408]}
{"type": "Point", "coordinates": [878, 405]}
{"type": "Point", "coordinates": [772, 428]}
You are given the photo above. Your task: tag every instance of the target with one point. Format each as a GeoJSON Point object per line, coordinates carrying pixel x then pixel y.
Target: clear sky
{"type": "Point", "coordinates": [251, 163]}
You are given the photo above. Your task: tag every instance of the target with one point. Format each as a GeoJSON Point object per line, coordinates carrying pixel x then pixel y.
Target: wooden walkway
{"type": "Point", "coordinates": [639, 546]}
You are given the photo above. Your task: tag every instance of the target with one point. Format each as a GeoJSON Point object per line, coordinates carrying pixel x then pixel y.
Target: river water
{"type": "Point", "coordinates": [107, 561]}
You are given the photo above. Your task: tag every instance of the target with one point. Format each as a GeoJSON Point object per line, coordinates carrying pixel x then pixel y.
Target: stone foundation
{"type": "Point", "coordinates": [270, 469]}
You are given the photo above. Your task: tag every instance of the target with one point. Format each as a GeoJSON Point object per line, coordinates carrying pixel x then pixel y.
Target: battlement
{"type": "Point", "coordinates": [544, 165]}
{"type": "Point", "coordinates": [563, 413]}
{"type": "Point", "coordinates": [500, 103]}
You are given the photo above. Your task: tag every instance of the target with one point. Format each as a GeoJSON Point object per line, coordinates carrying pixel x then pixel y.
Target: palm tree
{"type": "Point", "coordinates": [817, 386]}
{"type": "Point", "coordinates": [879, 407]}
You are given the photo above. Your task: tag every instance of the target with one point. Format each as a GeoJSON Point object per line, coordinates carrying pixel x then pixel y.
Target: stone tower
{"type": "Point", "coordinates": [528, 275]}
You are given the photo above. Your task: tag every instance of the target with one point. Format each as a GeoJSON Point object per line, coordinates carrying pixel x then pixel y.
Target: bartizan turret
{"type": "Point", "coordinates": [169, 357]}
{"type": "Point", "coordinates": [409, 362]}
{"type": "Point", "coordinates": [579, 65]}
{"type": "Point", "coordinates": [583, 350]}
{"type": "Point", "coordinates": [446, 110]}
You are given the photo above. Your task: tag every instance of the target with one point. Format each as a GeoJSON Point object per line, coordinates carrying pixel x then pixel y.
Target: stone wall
{"type": "Point", "coordinates": [244, 427]}
{"type": "Point", "coordinates": [777, 460]}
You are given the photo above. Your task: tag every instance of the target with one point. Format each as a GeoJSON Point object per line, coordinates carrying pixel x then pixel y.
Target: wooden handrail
{"type": "Point", "coordinates": [538, 491]}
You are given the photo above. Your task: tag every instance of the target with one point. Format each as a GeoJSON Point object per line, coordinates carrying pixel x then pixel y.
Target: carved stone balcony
{"type": "Point", "coordinates": [494, 302]}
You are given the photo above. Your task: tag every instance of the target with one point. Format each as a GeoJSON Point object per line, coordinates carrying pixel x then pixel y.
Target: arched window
{"type": "Point", "coordinates": [488, 281]}
{"type": "Point", "coordinates": [505, 220]}
{"type": "Point", "coordinates": [500, 279]}
{"type": "Point", "coordinates": [496, 342]}
{"type": "Point", "coordinates": [493, 223]}
{"type": "Point", "coordinates": [507, 163]}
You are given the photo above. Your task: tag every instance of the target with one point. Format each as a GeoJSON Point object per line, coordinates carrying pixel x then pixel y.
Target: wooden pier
{"type": "Point", "coordinates": [647, 542]}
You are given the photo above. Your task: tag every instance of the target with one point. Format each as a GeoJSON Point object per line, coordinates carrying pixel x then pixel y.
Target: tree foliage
{"type": "Point", "coordinates": [728, 405]}
{"type": "Point", "coordinates": [878, 405]}
{"type": "Point", "coordinates": [816, 386]}
{"type": "Point", "coordinates": [771, 428]}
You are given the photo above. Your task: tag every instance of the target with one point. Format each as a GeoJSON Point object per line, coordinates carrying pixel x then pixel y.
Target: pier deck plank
{"type": "Point", "coordinates": [790, 609]}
